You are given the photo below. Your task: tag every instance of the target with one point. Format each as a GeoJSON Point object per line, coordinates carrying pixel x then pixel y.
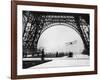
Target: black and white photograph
{"type": "Point", "coordinates": [54, 39]}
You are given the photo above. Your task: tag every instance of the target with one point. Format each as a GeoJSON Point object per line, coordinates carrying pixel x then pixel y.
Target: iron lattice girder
{"type": "Point", "coordinates": [36, 23]}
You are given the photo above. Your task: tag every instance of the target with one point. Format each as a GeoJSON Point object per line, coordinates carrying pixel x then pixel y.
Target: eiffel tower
{"type": "Point", "coordinates": [35, 23]}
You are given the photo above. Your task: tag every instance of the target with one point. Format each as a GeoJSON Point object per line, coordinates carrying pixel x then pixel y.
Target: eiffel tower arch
{"type": "Point", "coordinates": [35, 23]}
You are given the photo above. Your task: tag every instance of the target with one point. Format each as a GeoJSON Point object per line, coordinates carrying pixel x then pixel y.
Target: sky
{"type": "Point", "coordinates": [57, 38]}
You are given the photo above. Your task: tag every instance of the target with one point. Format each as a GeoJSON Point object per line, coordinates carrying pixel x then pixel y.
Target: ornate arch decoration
{"type": "Point", "coordinates": [65, 24]}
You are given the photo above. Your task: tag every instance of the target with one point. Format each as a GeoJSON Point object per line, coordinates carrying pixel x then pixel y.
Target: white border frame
{"type": "Point", "coordinates": [21, 71]}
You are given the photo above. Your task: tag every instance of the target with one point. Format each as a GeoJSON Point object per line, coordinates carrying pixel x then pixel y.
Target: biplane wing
{"type": "Point", "coordinates": [72, 42]}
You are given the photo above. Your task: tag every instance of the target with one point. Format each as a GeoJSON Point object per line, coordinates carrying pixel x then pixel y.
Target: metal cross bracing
{"type": "Point", "coordinates": [35, 23]}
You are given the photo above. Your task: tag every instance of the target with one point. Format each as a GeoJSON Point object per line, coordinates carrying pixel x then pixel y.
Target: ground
{"type": "Point", "coordinates": [76, 60]}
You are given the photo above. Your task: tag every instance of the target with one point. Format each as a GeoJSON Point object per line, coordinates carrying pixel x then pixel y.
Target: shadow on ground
{"type": "Point", "coordinates": [27, 64]}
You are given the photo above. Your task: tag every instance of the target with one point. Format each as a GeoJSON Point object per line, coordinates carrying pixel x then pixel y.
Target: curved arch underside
{"type": "Point", "coordinates": [58, 38]}
{"type": "Point", "coordinates": [62, 24]}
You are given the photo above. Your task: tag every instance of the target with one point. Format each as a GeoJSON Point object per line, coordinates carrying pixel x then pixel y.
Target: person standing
{"type": "Point", "coordinates": [42, 57]}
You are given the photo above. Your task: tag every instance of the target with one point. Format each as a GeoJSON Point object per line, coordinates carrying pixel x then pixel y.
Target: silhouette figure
{"type": "Point", "coordinates": [42, 57]}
